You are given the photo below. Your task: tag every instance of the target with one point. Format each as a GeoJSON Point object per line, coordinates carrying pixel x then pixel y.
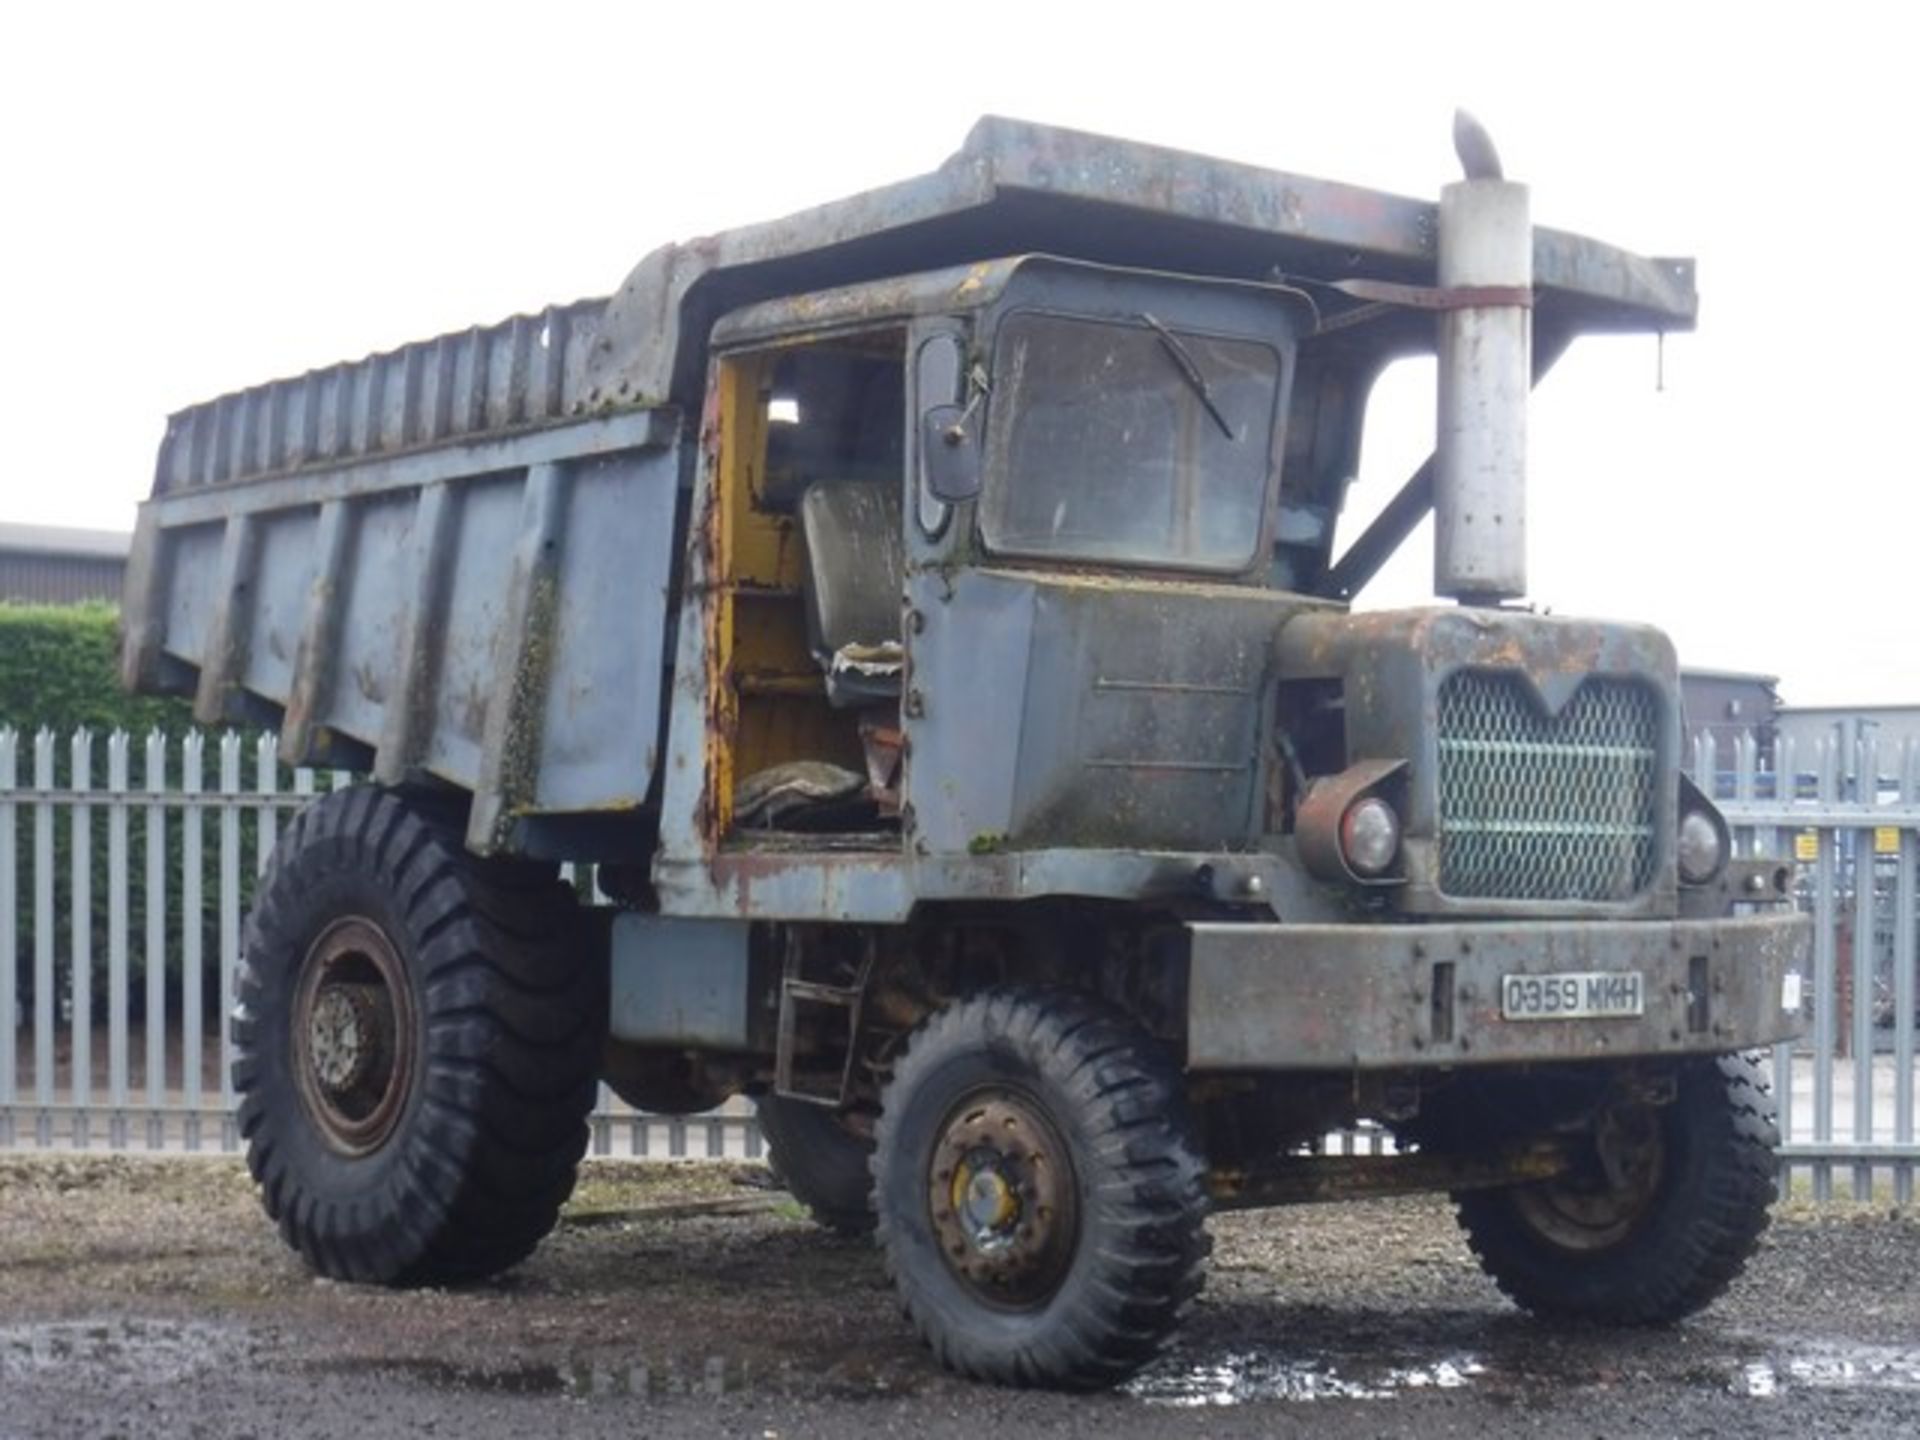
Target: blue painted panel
{"type": "Point", "coordinates": [362, 672]}
{"type": "Point", "coordinates": [193, 565]}
{"type": "Point", "coordinates": [469, 636]}
{"type": "Point", "coordinates": [281, 580]}
{"type": "Point", "coordinates": [679, 982]}
{"type": "Point", "coordinates": [600, 732]}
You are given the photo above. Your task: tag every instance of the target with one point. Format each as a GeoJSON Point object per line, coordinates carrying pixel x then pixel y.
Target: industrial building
{"type": "Point", "coordinates": [57, 565]}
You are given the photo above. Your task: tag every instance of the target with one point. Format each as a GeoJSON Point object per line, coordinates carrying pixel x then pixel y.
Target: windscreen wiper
{"type": "Point", "coordinates": [1191, 371]}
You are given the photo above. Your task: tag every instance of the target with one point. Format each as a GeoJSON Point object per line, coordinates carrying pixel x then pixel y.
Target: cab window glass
{"type": "Point", "coordinates": [1127, 442]}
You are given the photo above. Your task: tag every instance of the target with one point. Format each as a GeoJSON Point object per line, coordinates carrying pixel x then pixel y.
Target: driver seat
{"type": "Point", "coordinates": [856, 572]}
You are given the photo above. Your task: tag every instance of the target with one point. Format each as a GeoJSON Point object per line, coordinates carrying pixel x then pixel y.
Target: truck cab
{"type": "Point", "coordinates": [985, 528]}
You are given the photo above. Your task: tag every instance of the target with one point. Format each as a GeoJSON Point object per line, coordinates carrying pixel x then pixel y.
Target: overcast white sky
{"type": "Point", "coordinates": [195, 197]}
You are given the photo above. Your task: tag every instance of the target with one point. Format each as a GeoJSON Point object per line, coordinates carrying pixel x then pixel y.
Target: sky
{"type": "Point", "coordinates": [198, 197]}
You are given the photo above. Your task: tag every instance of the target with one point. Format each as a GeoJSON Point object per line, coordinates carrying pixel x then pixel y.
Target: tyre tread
{"type": "Point", "coordinates": [1148, 1207]}
{"type": "Point", "coordinates": [1686, 1260]}
{"type": "Point", "coordinates": [509, 1006]}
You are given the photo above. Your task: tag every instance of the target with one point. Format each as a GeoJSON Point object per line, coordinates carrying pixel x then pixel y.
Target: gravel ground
{"type": "Point", "coordinates": [150, 1297]}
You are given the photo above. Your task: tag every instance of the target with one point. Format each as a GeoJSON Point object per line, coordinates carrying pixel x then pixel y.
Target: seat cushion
{"type": "Point", "coordinates": [854, 566]}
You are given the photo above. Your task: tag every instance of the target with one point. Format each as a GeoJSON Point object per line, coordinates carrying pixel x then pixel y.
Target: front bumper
{"type": "Point", "coordinates": [1382, 997]}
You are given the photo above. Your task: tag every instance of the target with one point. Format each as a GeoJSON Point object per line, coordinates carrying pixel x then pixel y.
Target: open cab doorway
{"type": "Point", "coordinates": [806, 651]}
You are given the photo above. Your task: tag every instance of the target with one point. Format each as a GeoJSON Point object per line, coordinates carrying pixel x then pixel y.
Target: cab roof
{"type": "Point", "coordinates": [1016, 187]}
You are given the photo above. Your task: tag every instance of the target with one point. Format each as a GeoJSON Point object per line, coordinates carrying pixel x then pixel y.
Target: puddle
{"type": "Point", "coordinates": [155, 1351]}
{"type": "Point", "coordinates": [1831, 1367]}
{"type": "Point", "coordinates": [1354, 1371]}
{"type": "Point", "coordinates": [1248, 1377]}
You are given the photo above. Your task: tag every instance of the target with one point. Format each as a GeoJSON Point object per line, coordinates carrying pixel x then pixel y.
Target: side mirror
{"type": "Point", "coordinates": [950, 452]}
{"type": "Point", "coordinates": [949, 429]}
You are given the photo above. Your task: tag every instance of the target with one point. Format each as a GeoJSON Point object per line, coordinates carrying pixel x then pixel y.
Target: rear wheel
{"type": "Point", "coordinates": [1041, 1203]}
{"type": "Point", "coordinates": [1662, 1212]}
{"type": "Point", "coordinates": [416, 1045]}
{"type": "Point", "coordinates": [825, 1164]}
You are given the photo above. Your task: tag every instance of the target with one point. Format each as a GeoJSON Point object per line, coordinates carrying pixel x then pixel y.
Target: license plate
{"type": "Point", "coordinates": [1573, 995]}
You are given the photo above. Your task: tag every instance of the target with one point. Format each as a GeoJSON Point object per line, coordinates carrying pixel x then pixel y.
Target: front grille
{"type": "Point", "coordinates": [1547, 807]}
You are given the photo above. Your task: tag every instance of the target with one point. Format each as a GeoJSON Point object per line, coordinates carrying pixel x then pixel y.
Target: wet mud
{"type": "Point", "coordinates": [152, 1298]}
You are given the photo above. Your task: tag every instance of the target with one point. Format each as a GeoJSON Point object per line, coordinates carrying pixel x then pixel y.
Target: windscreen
{"type": "Point", "coordinates": [1127, 442]}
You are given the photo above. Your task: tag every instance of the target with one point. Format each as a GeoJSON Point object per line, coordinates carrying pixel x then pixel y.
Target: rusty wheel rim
{"type": "Point", "coordinates": [353, 1035]}
{"type": "Point", "coordinates": [1001, 1194]}
{"type": "Point", "coordinates": [1601, 1204]}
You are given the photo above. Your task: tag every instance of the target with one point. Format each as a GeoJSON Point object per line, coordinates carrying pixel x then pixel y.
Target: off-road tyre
{"type": "Point", "coordinates": [824, 1165]}
{"type": "Point", "coordinates": [1693, 1235]}
{"type": "Point", "coordinates": [1112, 1098]}
{"type": "Point", "coordinates": [497, 1005]}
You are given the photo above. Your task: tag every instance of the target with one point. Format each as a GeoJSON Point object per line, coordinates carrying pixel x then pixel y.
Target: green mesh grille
{"type": "Point", "coordinates": [1539, 807]}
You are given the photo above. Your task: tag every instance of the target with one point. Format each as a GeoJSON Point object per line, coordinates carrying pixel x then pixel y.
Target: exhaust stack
{"type": "Point", "coordinates": [1486, 374]}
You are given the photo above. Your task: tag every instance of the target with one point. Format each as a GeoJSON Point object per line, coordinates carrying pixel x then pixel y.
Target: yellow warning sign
{"type": "Point", "coordinates": [1806, 846]}
{"type": "Point", "coordinates": [1886, 840]}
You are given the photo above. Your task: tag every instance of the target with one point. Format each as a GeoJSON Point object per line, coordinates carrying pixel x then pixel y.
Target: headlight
{"type": "Point", "coordinates": [1369, 836]}
{"type": "Point", "coordinates": [1701, 847]}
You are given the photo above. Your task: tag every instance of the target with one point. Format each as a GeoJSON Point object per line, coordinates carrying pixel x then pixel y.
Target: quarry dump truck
{"type": "Point", "coordinates": [921, 617]}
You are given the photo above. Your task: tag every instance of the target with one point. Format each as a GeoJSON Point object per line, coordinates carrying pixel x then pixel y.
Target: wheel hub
{"type": "Point", "coordinates": [990, 1206]}
{"type": "Point", "coordinates": [1002, 1200]}
{"type": "Point", "coordinates": [345, 1036]}
{"type": "Point", "coordinates": [353, 1036]}
{"type": "Point", "coordinates": [1599, 1204]}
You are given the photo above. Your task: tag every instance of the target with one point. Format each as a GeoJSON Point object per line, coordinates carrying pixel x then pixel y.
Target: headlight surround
{"type": "Point", "coordinates": [1701, 847]}
{"type": "Point", "coordinates": [1369, 836]}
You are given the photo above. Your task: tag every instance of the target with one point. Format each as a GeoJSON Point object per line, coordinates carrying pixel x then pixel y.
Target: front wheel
{"type": "Point", "coordinates": [1662, 1213]}
{"type": "Point", "coordinates": [1041, 1205]}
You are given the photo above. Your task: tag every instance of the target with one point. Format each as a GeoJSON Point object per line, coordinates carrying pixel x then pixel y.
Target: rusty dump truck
{"type": "Point", "coordinates": [921, 619]}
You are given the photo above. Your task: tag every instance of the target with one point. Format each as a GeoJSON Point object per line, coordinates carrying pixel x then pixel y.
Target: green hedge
{"type": "Point", "coordinates": [59, 667]}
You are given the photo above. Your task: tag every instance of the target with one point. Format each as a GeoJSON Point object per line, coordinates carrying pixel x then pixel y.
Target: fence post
{"type": "Point", "coordinates": [1866, 795]}
{"type": "Point", "coordinates": [266, 771]}
{"type": "Point", "coordinates": [43, 937]}
{"type": "Point", "coordinates": [9, 944]}
{"type": "Point", "coordinates": [229, 928]}
{"type": "Point", "coordinates": [118, 886]}
{"type": "Point", "coordinates": [192, 913]}
{"type": "Point", "coordinates": [1786, 796]}
{"type": "Point", "coordinates": [1906, 922]}
{"type": "Point", "coordinates": [80, 998]}
{"type": "Point", "coordinates": [156, 950]}
{"type": "Point", "coordinates": [1826, 993]}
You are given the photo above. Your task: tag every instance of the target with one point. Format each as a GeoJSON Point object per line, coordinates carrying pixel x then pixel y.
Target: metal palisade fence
{"type": "Point", "coordinates": [1846, 817]}
{"type": "Point", "coordinates": [126, 867]}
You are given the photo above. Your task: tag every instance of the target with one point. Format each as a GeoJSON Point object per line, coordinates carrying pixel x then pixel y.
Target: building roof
{"type": "Point", "coordinates": [1752, 677]}
{"type": "Point", "coordinates": [1911, 707]}
{"type": "Point", "coordinates": [64, 541]}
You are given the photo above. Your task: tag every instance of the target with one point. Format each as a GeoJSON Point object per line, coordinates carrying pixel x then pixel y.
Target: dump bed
{"type": "Point", "coordinates": [490, 611]}
{"type": "Point", "coordinates": [456, 558]}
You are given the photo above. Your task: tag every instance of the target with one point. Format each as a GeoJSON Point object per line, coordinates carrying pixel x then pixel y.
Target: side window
{"type": "Point", "coordinates": [833, 413]}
